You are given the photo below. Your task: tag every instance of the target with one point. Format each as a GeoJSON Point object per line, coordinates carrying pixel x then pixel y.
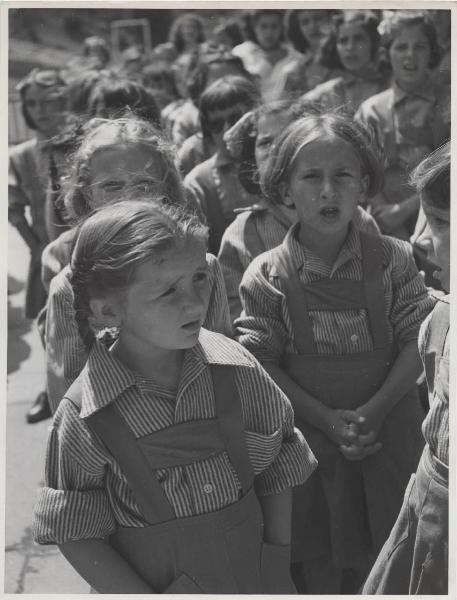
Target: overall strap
{"type": "Point", "coordinates": [374, 289]}
{"type": "Point", "coordinates": [297, 303]}
{"type": "Point", "coordinates": [117, 436]}
{"type": "Point", "coordinates": [230, 418]}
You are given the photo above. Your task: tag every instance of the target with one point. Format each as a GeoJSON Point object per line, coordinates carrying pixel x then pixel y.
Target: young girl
{"type": "Point", "coordinates": [156, 448]}
{"type": "Point", "coordinates": [414, 560]}
{"type": "Point", "coordinates": [267, 57]}
{"type": "Point", "coordinates": [263, 225]}
{"type": "Point", "coordinates": [411, 118]}
{"type": "Point", "coordinates": [113, 155]}
{"type": "Point", "coordinates": [352, 46]}
{"type": "Point", "coordinates": [214, 183]}
{"type": "Point", "coordinates": [308, 30]}
{"type": "Point", "coordinates": [43, 102]}
{"type": "Point", "coordinates": [333, 313]}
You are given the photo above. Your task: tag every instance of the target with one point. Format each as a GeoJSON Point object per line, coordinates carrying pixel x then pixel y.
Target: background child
{"type": "Point", "coordinates": [113, 156]}
{"type": "Point", "coordinates": [214, 183]}
{"type": "Point", "coordinates": [43, 103]}
{"type": "Point", "coordinates": [417, 563]}
{"type": "Point", "coordinates": [411, 118]}
{"type": "Point", "coordinates": [352, 46]}
{"type": "Point", "coordinates": [307, 30]}
{"type": "Point", "coordinates": [187, 524]}
{"type": "Point", "coordinates": [267, 57]}
{"type": "Point", "coordinates": [333, 314]}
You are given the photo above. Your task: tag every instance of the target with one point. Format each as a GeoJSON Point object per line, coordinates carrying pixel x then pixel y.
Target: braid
{"type": "Point", "coordinates": [82, 308]}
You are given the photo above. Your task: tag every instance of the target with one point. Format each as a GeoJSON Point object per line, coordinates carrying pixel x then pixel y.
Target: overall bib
{"type": "Point", "coordinates": [346, 509]}
{"type": "Point", "coordinates": [219, 552]}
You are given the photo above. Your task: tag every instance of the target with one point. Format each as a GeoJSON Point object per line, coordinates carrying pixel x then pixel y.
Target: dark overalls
{"type": "Point", "coordinates": [414, 560]}
{"type": "Point", "coordinates": [344, 512]}
{"type": "Point", "coordinates": [219, 553]}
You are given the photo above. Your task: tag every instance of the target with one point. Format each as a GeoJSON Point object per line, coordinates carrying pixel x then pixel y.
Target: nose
{"type": "Point", "coordinates": [410, 51]}
{"type": "Point", "coordinates": [424, 240]}
{"type": "Point", "coordinates": [194, 302]}
{"type": "Point", "coordinates": [328, 188]}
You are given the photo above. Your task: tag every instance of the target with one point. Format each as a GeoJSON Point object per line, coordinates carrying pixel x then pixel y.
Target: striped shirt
{"type": "Point", "coordinates": [265, 326]}
{"type": "Point", "coordinates": [85, 494]}
{"type": "Point", "coordinates": [254, 231]}
{"type": "Point", "coordinates": [66, 353]}
{"type": "Point", "coordinates": [436, 424]}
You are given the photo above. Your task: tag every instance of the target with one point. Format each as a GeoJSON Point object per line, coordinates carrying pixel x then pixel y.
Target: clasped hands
{"type": "Point", "coordinates": [355, 432]}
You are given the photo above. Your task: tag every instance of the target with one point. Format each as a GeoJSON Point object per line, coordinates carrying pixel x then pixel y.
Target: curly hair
{"type": "Point", "coordinates": [114, 240]}
{"type": "Point", "coordinates": [100, 134]}
{"type": "Point", "coordinates": [367, 19]}
{"type": "Point", "coordinates": [394, 22]}
{"type": "Point", "coordinates": [432, 178]}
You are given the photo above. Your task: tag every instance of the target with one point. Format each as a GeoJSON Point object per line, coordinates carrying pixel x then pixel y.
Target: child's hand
{"type": "Point", "coordinates": [363, 446]}
{"type": "Point", "coordinates": [373, 418]}
{"type": "Point", "coordinates": [342, 426]}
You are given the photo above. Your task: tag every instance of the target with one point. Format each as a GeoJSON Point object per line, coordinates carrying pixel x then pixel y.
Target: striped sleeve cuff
{"type": "Point", "coordinates": [293, 465]}
{"type": "Point", "coordinates": [62, 516]}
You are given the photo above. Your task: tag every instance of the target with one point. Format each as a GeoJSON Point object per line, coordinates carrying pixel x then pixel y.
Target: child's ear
{"type": "Point", "coordinates": [285, 196]}
{"type": "Point", "coordinates": [106, 312]}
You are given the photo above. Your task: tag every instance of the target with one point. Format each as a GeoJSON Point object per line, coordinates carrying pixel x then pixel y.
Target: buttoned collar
{"type": "Point", "coordinates": [304, 258]}
{"type": "Point", "coordinates": [426, 92]}
{"type": "Point", "coordinates": [105, 378]}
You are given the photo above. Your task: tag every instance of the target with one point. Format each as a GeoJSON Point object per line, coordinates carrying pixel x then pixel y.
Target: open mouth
{"type": "Point", "coordinates": [330, 212]}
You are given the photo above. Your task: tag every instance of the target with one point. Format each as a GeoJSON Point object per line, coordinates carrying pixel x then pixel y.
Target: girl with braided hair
{"type": "Point", "coordinates": [113, 156]}
{"type": "Point", "coordinates": [172, 457]}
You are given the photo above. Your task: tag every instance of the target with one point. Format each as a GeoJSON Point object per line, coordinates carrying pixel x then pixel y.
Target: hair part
{"type": "Point", "coordinates": [315, 127]}
{"type": "Point", "coordinates": [432, 178]}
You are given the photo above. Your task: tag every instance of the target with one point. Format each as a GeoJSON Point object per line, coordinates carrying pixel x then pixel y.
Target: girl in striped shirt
{"type": "Point", "coordinates": [414, 560]}
{"type": "Point", "coordinates": [333, 313]}
{"type": "Point", "coordinates": [171, 459]}
{"type": "Point", "coordinates": [113, 155]}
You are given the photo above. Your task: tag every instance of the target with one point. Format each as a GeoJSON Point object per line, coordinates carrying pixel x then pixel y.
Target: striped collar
{"type": "Point", "coordinates": [105, 378]}
{"type": "Point", "coordinates": [304, 258]}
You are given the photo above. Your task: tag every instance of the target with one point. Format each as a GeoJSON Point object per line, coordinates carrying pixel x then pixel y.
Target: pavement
{"type": "Point", "coordinates": [29, 568]}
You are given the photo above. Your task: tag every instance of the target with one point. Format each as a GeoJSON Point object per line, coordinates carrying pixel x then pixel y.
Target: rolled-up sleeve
{"type": "Point", "coordinates": [73, 504]}
{"type": "Point", "coordinates": [279, 454]}
{"type": "Point", "coordinates": [261, 328]}
{"type": "Point", "coordinates": [411, 302]}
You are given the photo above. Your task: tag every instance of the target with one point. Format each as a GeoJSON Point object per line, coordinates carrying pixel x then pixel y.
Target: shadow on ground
{"type": "Point", "coordinates": [18, 327]}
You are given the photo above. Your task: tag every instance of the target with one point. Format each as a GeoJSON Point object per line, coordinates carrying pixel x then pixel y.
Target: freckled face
{"type": "Point", "coordinates": [325, 186]}
{"type": "Point", "coordinates": [114, 168]}
{"type": "Point", "coordinates": [435, 240]}
{"type": "Point", "coordinates": [354, 47]}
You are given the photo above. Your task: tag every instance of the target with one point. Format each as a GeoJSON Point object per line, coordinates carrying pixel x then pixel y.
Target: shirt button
{"type": "Point", "coordinates": [354, 338]}
{"type": "Point", "coordinates": [208, 488]}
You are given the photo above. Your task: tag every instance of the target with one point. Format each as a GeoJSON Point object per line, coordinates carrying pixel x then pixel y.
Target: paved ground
{"type": "Point", "coordinates": [29, 568]}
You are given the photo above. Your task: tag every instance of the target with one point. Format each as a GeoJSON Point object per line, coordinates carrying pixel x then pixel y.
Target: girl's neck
{"type": "Point", "coordinates": [410, 89]}
{"type": "Point", "coordinates": [162, 366]}
{"type": "Point", "coordinates": [326, 247]}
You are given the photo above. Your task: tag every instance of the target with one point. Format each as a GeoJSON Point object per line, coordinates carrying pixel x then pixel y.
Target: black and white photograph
{"type": "Point", "coordinates": [228, 298]}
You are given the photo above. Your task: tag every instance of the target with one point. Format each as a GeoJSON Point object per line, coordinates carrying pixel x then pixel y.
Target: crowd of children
{"type": "Point", "coordinates": [240, 268]}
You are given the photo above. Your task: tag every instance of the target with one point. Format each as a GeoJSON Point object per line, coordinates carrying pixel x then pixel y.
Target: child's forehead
{"type": "Point", "coordinates": [333, 146]}
{"type": "Point", "coordinates": [433, 210]}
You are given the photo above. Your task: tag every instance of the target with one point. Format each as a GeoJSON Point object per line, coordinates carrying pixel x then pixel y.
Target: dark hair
{"type": "Point", "coordinates": [95, 42]}
{"type": "Point", "coordinates": [432, 178]}
{"type": "Point", "coordinates": [112, 94]}
{"type": "Point", "coordinates": [80, 88]}
{"type": "Point", "coordinates": [199, 66]}
{"type": "Point", "coordinates": [293, 31]}
{"type": "Point", "coordinates": [255, 16]}
{"type": "Point", "coordinates": [45, 79]}
{"type": "Point", "coordinates": [175, 35]}
{"type": "Point", "coordinates": [100, 134]}
{"type": "Point", "coordinates": [232, 30]}
{"type": "Point", "coordinates": [113, 241]}
{"type": "Point", "coordinates": [311, 128]}
{"type": "Point", "coordinates": [365, 18]}
{"type": "Point", "coordinates": [224, 93]}
{"type": "Point", "coordinates": [394, 22]}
